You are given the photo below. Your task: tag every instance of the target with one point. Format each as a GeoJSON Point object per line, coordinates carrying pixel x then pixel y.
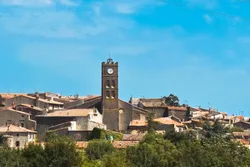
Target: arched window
{"type": "Point", "coordinates": [107, 95]}
{"type": "Point", "coordinates": [107, 84]}
{"type": "Point", "coordinates": [113, 94]}
{"type": "Point", "coordinates": [113, 84]}
{"type": "Point", "coordinates": [121, 110]}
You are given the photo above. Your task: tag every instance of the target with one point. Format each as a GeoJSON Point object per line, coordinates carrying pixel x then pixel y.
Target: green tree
{"type": "Point", "coordinates": [11, 158]}
{"type": "Point", "coordinates": [193, 154]}
{"type": "Point", "coordinates": [98, 148]}
{"type": "Point", "coordinates": [116, 159]}
{"type": "Point", "coordinates": [235, 129]}
{"type": "Point", "coordinates": [61, 151]}
{"type": "Point", "coordinates": [172, 100]}
{"type": "Point", "coordinates": [34, 155]}
{"type": "Point", "coordinates": [104, 134]}
{"type": "Point", "coordinates": [151, 123]}
{"type": "Point", "coordinates": [152, 151]}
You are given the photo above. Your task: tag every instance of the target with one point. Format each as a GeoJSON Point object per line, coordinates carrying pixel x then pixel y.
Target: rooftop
{"type": "Point", "coordinates": [168, 121]}
{"type": "Point", "coordinates": [13, 128]}
{"type": "Point", "coordinates": [30, 106]}
{"type": "Point", "coordinates": [133, 137]}
{"type": "Point", "coordinates": [11, 95]}
{"type": "Point", "coordinates": [124, 144]}
{"type": "Point", "coordinates": [138, 123]}
{"type": "Point", "coordinates": [177, 108]}
{"type": "Point", "coordinates": [69, 113]}
{"type": "Point", "coordinates": [12, 110]}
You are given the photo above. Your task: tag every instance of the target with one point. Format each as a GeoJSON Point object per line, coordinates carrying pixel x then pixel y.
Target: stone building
{"type": "Point", "coordinates": [162, 124]}
{"type": "Point", "coordinates": [32, 110]}
{"type": "Point", "coordinates": [160, 109]}
{"type": "Point", "coordinates": [242, 124]}
{"type": "Point", "coordinates": [117, 114]}
{"type": "Point", "coordinates": [15, 136]}
{"type": "Point", "coordinates": [10, 116]}
{"type": "Point", "coordinates": [13, 100]}
{"type": "Point", "coordinates": [69, 121]}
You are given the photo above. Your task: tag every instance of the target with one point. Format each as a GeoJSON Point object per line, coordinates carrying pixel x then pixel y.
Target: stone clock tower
{"type": "Point", "coordinates": [110, 106]}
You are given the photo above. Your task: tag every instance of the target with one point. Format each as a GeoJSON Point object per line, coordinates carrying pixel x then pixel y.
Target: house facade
{"type": "Point", "coordinates": [10, 116]}
{"type": "Point", "coordinates": [36, 100]}
{"type": "Point", "coordinates": [159, 108]}
{"type": "Point", "coordinates": [69, 120]}
{"type": "Point", "coordinates": [16, 137]}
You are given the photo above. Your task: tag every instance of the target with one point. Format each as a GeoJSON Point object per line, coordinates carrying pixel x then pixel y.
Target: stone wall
{"type": "Point", "coordinates": [16, 118]}
{"type": "Point", "coordinates": [22, 138]}
{"type": "Point", "coordinates": [43, 123]}
{"type": "Point", "coordinates": [19, 100]}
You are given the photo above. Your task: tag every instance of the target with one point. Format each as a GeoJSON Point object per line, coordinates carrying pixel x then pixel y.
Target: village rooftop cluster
{"type": "Point", "coordinates": [28, 117]}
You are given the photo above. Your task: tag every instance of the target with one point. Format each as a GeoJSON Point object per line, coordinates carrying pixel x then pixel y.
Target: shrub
{"type": "Point", "coordinates": [98, 148]}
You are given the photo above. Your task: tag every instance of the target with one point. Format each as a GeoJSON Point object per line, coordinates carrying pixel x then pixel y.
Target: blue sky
{"type": "Point", "coordinates": [195, 49]}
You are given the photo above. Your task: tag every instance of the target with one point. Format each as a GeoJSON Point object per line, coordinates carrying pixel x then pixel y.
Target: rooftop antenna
{"type": "Point", "coordinates": [110, 60]}
{"type": "Point", "coordinates": [240, 112]}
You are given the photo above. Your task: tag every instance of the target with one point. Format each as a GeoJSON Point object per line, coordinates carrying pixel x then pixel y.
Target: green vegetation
{"type": "Point", "coordinates": [172, 100]}
{"type": "Point", "coordinates": [98, 148]}
{"type": "Point", "coordinates": [105, 134]}
{"type": "Point", "coordinates": [210, 147]}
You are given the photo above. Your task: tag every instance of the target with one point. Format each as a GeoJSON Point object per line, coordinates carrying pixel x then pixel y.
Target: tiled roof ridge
{"type": "Point", "coordinates": [13, 128]}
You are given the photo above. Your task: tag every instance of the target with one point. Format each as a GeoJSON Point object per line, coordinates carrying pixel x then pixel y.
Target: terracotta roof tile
{"type": "Point", "coordinates": [81, 144]}
{"type": "Point", "coordinates": [69, 113]}
{"type": "Point", "coordinates": [13, 128]}
{"type": "Point", "coordinates": [12, 110]}
{"type": "Point", "coordinates": [138, 123]}
{"type": "Point", "coordinates": [177, 108]}
{"type": "Point", "coordinates": [30, 106]}
{"type": "Point", "coordinates": [168, 121]}
{"type": "Point", "coordinates": [10, 95]}
{"type": "Point", "coordinates": [124, 144]}
{"type": "Point", "coordinates": [240, 117]}
{"type": "Point", "coordinates": [40, 99]}
{"type": "Point", "coordinates": [133, 137]}
{"type": "Point", "coordinates": [245, 133]}
{"type": "Point", "coordinates": [159, 102]}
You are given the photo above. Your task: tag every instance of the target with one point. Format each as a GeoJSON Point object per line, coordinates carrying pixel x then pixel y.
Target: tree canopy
{"type": "Point", "coordinates": [210, 147]}
{"type": "Point", "coordinates": [172, 100]}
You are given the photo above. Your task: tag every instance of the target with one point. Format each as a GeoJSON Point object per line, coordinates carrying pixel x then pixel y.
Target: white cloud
{"type": "Point", "coordinates": [60, 24]}
{"type": "Point", "coordinates": [208, 18]}
{"type": "Point", "coordinates": [26, 2]}
{"type": "Point", "coordinates": [69, 2]}
{"type": "Point", "coordinates": [132, 6]}
{"type": "Point", "coordinates": [125, 8]}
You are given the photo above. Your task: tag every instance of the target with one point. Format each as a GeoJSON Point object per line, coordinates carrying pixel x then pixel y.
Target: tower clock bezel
{"type": "Point", "coordinates": [110, 71]}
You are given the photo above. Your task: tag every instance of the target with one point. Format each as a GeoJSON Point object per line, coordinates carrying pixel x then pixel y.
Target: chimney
{"type": "Point", "coordinates": [37, 99]}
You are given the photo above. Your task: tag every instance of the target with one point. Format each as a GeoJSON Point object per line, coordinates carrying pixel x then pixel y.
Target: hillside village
{"type": "Point", "coordinates": [28, 117]}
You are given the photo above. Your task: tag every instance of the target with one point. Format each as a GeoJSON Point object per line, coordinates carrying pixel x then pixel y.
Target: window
{"type": "Point", "coordinates": [21, 123]}
{"type": "Point", "coordinates": [113, 84]}
{"type": "Point", "coordinates": [121, 111]}
{"type": "Point", "coordinates": [17, 135]}
{"type": "Point", "coordinates": [107, 84]}
{"type": "Point", "coordinates": [8, 122]}
{"type": "Point", "coordinates": [17, 143]}
{"type": "Point", "coordinates": [30, 136]}
{"type": "Point", "coordinates": [113, 94]}
{"type": "Point", "coordinates": [107, 95]}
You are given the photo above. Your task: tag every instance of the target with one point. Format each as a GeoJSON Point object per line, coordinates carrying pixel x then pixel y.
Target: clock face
{"type": "Point", "coordinates": [110, 70]}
